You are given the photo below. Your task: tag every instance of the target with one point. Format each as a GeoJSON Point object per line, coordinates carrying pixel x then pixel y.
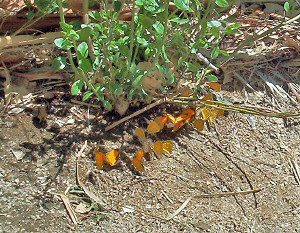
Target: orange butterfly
{"type": "Point", "coordinates": [111, 158]}
{"type": "Point", "coordinates": [137, 161]}
{"type": "Point", "coordinates": [199, 124]}
{"type": "Point", "coordinates": [140, 133]}
{"type": "Point", "coordinates": [153, 127]}
{"type": "Point", "coordinates": [161, 147]}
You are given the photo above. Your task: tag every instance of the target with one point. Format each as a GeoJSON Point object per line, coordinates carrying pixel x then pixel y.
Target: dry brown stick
{"type": "Point", "coordinates": [148, 107]}
{"type": "Point", "coordinates": [21, 40]}
{"type": "Point", "coordinates": [158, 102]}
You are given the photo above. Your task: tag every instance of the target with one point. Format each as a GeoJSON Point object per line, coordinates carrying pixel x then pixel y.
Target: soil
{"type": "Point", "coordinates": [237, 175]}
{"type": "Point", "coordinates": [236, 153]}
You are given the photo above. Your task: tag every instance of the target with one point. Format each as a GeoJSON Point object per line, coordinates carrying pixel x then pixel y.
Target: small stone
{"type": "Point", "coordinates": [18, 154]}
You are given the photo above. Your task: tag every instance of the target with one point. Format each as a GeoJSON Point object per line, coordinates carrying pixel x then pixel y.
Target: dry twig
{"type": "Point", "coordinates": [69, 208]}
{"type": "Point", "coordinates": [169, 217]}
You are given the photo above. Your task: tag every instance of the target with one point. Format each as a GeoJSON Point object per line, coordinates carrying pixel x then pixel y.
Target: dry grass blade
{"type": "Point", "coordinates": [208, 196]}
{"type": "Point", "coordinates": [179, 209]}
{"type": "Point", "coordinates": [69, 208]}
{"type": "Point", "coordinates": [291, 86]}
{"type": "Point", "coordinates": [296, 171]}
{"type": "Point", "coordinates": [274, 87]}
{"type": "Point", "coordinates": [85, 104]}
{"type": "Point", "coordinates": [260, 35]}
{"type": "Point", "coordinates": [243, 81]}
{"type": "Point", "coordinates": [135, 114]}
{"type": "Point", "coordinates": [254, 110]}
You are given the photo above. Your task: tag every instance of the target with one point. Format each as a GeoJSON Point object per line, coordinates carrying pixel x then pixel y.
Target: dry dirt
{"type": "Point", "coordinates": [237, 153]}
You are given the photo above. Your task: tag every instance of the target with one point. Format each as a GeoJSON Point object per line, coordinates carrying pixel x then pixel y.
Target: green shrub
{"type": "Point", "coordinates": [121, 63]}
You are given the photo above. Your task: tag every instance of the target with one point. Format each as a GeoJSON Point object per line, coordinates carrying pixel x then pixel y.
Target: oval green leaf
{"type": "Point", "coordinates": [116, 89]}
{"type": "Point", "coordinates": [85, 64]}
{"type": "Point", "coordinates": [87, 95]}
{"type": "Point", "coordinates": [182, 4]}
{"type": "Point", "coordinates": [107, 105]}
{"type": "Point", "coordinates": [59, 42]}
{"type": "Point", "coordinates": [159, 27]}
{"type": "Point", "coordinates": [212, 78]}
{"type": "Point", "coordinates": [59, 63]}
{"type": "Point", "coordinates": [222, 3]}
{"type": "Point", "coordinates": [84, 33]}
{"type": "Point", "coordinates": [286, 7]}
{"type": "Point", "coordinates": [215, 53]}
{"type": "Point", "coordinates": [76, 87]}
{"type": "Point", "coordinates": [83, 49]}
{"type": "Point", "coordinates": [214, 23]}
{"type": "Point", "coordinates": [137, 81]}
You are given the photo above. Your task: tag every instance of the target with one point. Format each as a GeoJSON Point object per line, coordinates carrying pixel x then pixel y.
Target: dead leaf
{"type": "Point", "coordinates": [171, 118]}
{"type": "Point", "coordinates": [187, 93]}
{"type": "Point", "coordinates": [83, 208]}
{"type": "Point", "coordinates": [208, 97]}
{"type": "Point", "coordinates": [273, 8]}
{"type": "Point", "coordinates": [154, 79]}
{"type": "Point", "coordinates": [40, 113]}
{"type": "Point", "coordinates": [121, 106]}
{"type": "Point", "coordinates": [220, 112]}
{"type": "Point", "coordinates": [215, 86]}
{"type": "Point", "coordinates": [159, 121]}
{"type": "Point", "coordinates": [213, 115]}
{"type": "Point", "coordinates": [228, 76]}
{"type": "Point", "coordinates": [186, 115]}
{"type": "Point", "coordinates": [178, 125]}
{"type": "Point", "coordinates": [18, 154]}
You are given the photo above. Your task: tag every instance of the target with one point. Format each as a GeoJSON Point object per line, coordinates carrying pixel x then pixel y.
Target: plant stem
{"type": "Point", "coordinates": [75, 69]}
{"type": "Point", "coordinates": [85, 9]}
{"type": "Point", "coordinates": [62, 19]}
{"type": "Point", "coordinates": [131, 36]}
{"type": "Point", "coordinates": [61, 13]}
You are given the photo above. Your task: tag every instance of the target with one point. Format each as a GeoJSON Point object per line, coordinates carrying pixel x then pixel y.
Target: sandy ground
{"type": "Point", "coordinates": [238, 153]}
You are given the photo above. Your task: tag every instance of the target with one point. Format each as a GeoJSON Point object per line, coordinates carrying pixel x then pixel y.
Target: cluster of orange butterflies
{"type": "Point", "coordinates": [160, 147]}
